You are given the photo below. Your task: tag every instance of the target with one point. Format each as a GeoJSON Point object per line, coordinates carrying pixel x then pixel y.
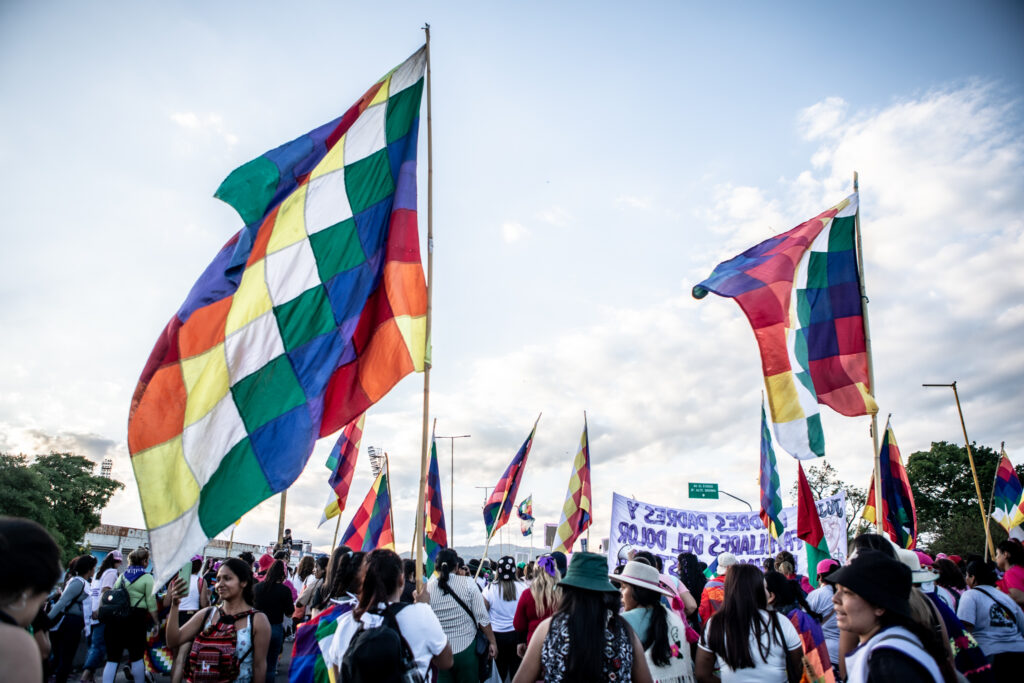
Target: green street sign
{"type": "Point", "coordinates": [701, 490]}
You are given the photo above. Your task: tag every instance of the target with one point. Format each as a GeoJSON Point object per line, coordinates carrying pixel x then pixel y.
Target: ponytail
{"type": "Point", "coordinates": [657, 633]}
{"type": "Point", "coordinates": [447, 561]}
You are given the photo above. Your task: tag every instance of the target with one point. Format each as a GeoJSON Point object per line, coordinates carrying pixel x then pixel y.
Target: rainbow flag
{"type": "Point", "coordinates": [342, 464]}
{"type": "Point", "coordinates": [435, 537]}
{"type": "Point", "coordinates": [311, 642]}
{"type": "Point", "coordinates": [808, 526]}
{"type": "Point", "coordinates": [1008, 495]}
{"type": "Point", "coordinates": [576, 510]}
{"type": "Point", "coordinates": [816, 661]}
{"type": "Point", "coordinates": [899, 515]}
{"type": "Point", "coordinates": [307, 316]}
{"type": "Point", "coordinates": [525, 514]}
{"type": "Point", "coordinates": [800, 292]}
{"type": "Point", "coordinates": [771, 498]}
{"type": "Point", "coordinates": [502, 499]}
{"type": "Point", "coordinates": [371, 527]}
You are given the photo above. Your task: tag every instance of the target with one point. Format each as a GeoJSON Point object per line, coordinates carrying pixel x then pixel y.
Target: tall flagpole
{"type": "Point", "coordinates": [418, 543]}
{"type": "Point", "coordinates": [970, 459]}
{"type": "Point", "coordinates": [992, 498]}
{"type": "Point", "coordinates": [871, 362]}
{"type": "Point", "coordinates": [280, 519]}
{"type": "Point", "coordinates": [337, 525]}
{"type": "Point", "coordinates": [391, 501]}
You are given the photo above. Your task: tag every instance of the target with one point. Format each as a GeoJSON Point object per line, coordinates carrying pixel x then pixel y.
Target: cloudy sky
{"type": "Point", "coordinates": [592, 162]}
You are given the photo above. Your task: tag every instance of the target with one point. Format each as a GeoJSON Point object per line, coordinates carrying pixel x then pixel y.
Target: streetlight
{"type": "Point", "coordinates": [451, 502]}
{"type": "Point", "coordinates": [970, 459]}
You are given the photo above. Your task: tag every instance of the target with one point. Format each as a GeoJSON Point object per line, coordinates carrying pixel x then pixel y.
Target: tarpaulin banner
{"type": "Point", "coordinates": [667, 532]}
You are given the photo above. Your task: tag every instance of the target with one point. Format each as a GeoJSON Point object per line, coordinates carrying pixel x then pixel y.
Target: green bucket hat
{"type": "Point", "coordinates": [588, 571]}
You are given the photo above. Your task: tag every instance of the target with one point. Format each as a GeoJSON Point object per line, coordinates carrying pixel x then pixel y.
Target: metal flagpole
{"type": "Point", "coordinates": [418, 541]}
{"type": "Point", "coordinates": [870, 357]}
{"type": "Point", "coordinates": [970, 458]}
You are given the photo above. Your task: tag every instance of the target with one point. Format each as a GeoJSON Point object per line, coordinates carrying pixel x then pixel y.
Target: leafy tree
{"type": "Point", "coordinates": [824, 481]}
{"type": "Point", "coordinates": [945, 497]}
{"type": "Point", "coordinates": [57, 490]}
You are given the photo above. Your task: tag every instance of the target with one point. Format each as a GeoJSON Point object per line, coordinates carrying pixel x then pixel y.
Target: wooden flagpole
{"type": "Point", "coordinates": [391, 501]}
{"type": "Point", "coordinates": [418, 541]}
{"type": "Point", "coordinates": [231, 540]}
{"type": "Point", "coordinates": [879, 524]}
{"type": "Point", "coordinates": [280, 519]}
{"type": "Point", "coordinates": [992, 497]}
{"type": "Point", "coordinates": [337, 525]}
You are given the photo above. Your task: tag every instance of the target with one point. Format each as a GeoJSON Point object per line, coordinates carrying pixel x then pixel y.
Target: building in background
{"type": "Point", "coordinates": [106, 468]}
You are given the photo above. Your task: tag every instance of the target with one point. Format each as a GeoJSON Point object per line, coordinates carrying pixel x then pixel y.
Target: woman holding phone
{"type": "Point", "coordinates": [252, 630]}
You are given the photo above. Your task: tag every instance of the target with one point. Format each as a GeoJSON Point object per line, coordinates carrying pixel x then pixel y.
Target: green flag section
{"type": "Point", "coordinates": [808, 527]}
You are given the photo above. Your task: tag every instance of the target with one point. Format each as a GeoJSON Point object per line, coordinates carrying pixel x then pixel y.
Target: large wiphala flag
{"type": "Point", "coordinates": [342, 464]}
{"type": "Point", "coordinates": [306, 317]}
{"type": "Point", "coordinates": [899, 515]}
{"type": "Point", "coordinates": [503, 498]}
{"type": "Point", "coordinates": [372, 525]}
{"type": "Point", "coordinates": [577, 507]}
{"type": "Point", "coordinates": [801, 294]}
{"type": "Point", "coordinates": [768, 478]}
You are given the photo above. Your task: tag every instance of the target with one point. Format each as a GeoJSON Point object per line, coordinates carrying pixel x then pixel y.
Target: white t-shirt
{"type": "Point", "coordinates": [771, 670]}
{"type": "Point", "coordinates": [501, 611]}
{"type": "Point", "coordinates": [418, 625]}
{"type": "Point", "coordinates": [106, 580]}
{"type": "Point", "coordinates": [190, 603]}
{"type": "Point", "coordinates": [998, 620]}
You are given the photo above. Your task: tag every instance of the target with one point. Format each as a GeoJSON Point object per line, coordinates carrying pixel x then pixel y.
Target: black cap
{"type": "Point", "coordinates": [879, 579]}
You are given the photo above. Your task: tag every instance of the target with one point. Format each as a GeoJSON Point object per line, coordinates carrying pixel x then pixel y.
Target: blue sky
{"type": "Point", "coordinates": [592, 161]}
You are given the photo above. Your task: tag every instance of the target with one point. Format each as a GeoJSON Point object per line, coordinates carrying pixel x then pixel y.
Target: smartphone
{"type": "Point", "coordinates": [184, 574]}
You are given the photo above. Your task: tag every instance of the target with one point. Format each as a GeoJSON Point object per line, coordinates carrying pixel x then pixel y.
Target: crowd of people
{"type": "Point", "coordinates": [885, 614]}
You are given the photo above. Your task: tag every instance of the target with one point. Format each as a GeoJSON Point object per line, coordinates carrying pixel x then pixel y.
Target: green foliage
{"type": "Point", "coordinates": [944, 493]}
{"type": "Point", "coordinates": [824, 481]}
{"type": "Point", "coordinates": [57, 490]}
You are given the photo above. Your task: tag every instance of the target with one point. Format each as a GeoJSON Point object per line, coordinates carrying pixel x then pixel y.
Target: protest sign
{"type": "Point", "coordinates": [667, 532]}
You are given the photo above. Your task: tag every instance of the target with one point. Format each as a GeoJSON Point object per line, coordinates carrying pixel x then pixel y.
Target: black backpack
{"type": "Point", "coordinates": [380, 653]}
{"type": "Point", "coordinates": [115, 605]}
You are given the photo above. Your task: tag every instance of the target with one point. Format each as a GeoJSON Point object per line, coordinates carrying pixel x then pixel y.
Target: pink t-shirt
{"type": "Point", "coordinates": [1013, 578]}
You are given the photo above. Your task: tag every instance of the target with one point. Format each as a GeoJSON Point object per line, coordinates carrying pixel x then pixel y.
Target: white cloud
{"type": "Point", "coordinates": [821, 119]}
{"type": "Point", "coordinates": [210, 125]}
{"type": "Point", "coordinates": [556, 216]}
{"type": "Point", "coordinates": [513, 232]}
{"type": "Point", "coordinates": [634, 202]}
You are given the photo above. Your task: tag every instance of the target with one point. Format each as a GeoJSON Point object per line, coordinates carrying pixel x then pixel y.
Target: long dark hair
{"type": "Point", "coordinates": [950, 575]}
{"type": "Point", "coordinates": [586, 615]}
{"type": "Point", "coordinates": [729, 631]}
{"type": "Point", "coordinates": [381, 574]}
{"type": "Point", "coordinates": [243, 571]}
{"type": "Point", "coordinates": [657, 632]}
{"type": "Point", "coordinates": [343, 572]}
{"type": "Point", "coordinates": [690, 574]}
{"type": "Point", "coordinates": [787, 594]}
{"type": "Point", "coordinates": [305, 567]}
{"type": "Point", "coordinates": [447, 561]}
{"type": "Point", "coordinates": [275, 574]}
{"type": "Point", "coordinates": [108, 563]}
{"type": "Point", "coordinates": [83, 564]}
{"type": "Point", "coordinates": [1014, 552]}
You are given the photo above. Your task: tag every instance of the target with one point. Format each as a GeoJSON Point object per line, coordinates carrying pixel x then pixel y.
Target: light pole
{"type": "Point", "coordinates": [970, 459]}
{"type": "Point", "coordinates": [451, 501]}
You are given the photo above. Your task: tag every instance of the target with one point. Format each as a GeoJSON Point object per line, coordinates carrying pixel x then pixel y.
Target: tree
{"type": "Point", "coordinates": [57, 490]}
{"type": "Point", "coordinates": [945, 497]}
{"type": "Point", "coordinates": [824, 481]}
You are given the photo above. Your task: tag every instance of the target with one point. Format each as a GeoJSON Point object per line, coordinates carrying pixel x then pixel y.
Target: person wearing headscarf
{"type": "Point", "coordinates": [502, 598]}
